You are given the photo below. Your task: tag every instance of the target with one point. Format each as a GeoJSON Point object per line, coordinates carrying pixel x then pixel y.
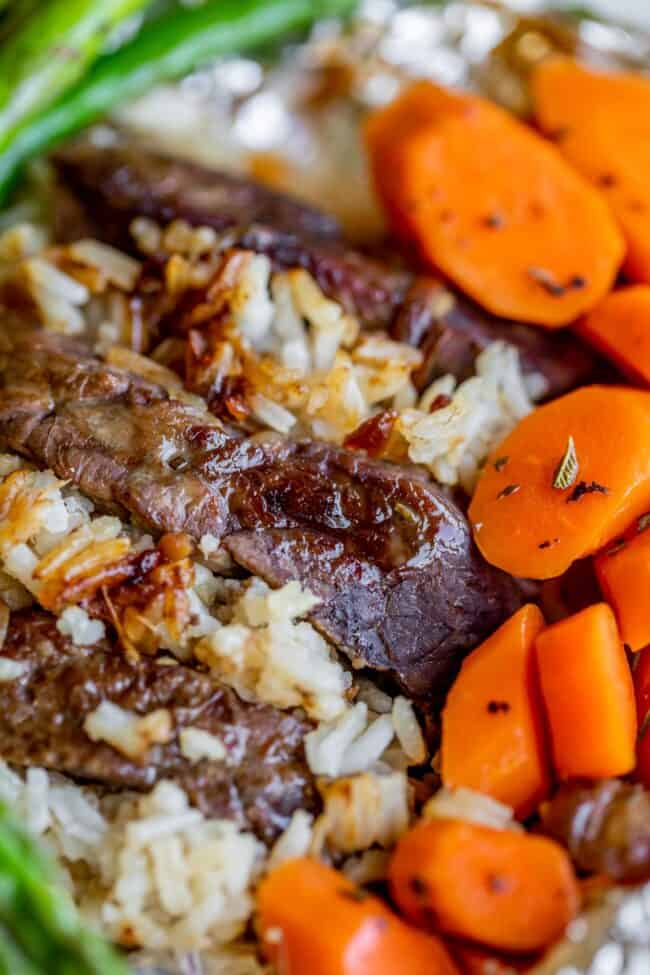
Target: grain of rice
{"type": "Point", "coordinates": [475, 807]}
{"type": "Point", "coordinates": [408, 731]}
{"type": "Point", "coordinates": [77, 624]}
{"type": "Point", "coordinates": [12, 669]}
{"type": "Point", "coordinates": [363, 810]}
{"type": "Point", "coordinates": [118, 267]}
{"type": "Point", "coordinates": [197, 744]}
{"type": "Point", "coordinates": [295, 842]}
{"type": "Point", "coordinates": [127, 732]}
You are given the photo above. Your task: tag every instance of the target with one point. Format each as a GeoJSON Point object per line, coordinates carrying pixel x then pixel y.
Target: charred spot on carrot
{"type": "Point", "coordinates": [550, 284]}
{"type": "Point", "coordinates": [500, 463]}
{"type": "Point", "coordinates": [583, 488]}
{"type": "Point", "coordinates": [508, 490]}
{"type": "Point", "coordinates": [419, 886]}
{"type": "Point", "coordinates": [497, 707]}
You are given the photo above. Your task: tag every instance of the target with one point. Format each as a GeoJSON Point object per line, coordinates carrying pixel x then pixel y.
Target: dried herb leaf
{"type": "Point", "coordinates": [567, 470]}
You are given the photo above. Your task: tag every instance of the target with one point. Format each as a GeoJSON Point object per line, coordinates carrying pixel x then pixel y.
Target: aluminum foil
{"type": "Point", "coordinates": [295, 122]}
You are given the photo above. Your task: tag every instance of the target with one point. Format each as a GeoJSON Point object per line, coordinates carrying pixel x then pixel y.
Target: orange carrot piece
{"type": "Point", "coordinates": [511, 891]}
{"type": "Point", "coordinates": [588, 695]}
{"type": "Point", "coordinates": [496, 695]}
{"type": "Point", "coordinates": [601, 124]}
{"type": "Point", "coordinates": [623, 572]}
{"type": "Point", "coordinates": [314, 920]}
{"type": "Point", "coordinates": [493, 205]}
{"type": "Point", "coordinates": [619, 327]}
{"type": "Point", "coordinates": [525, 525]}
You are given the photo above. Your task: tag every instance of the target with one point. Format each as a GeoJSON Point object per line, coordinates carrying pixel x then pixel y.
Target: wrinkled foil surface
{"type": "Point", "coordinates": [294, 121]}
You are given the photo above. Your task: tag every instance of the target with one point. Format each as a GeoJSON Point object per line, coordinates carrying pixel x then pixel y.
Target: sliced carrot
{"type": "Point", "coordinates": [509, 890]}
{"type": "Point", "coordinates": [601, 123]}
{"type": "Point", "coordinates": [313, 920]}
{"type": "Point", "coordinates": [491, 204]}
{"type": "Point", "coordinates": [496, 695]}
{"type": "Point", "coordinates": [531, 528]}
{"type": "Point", "coordinates": [619, 327]}
{"type": "Point", "coordinates": [588, 695]}
{"type": "Point", "coordinates": [623, 571]}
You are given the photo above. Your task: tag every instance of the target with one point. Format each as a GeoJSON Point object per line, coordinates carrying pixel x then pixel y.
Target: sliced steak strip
{"type": "Point", "coordinates": [262, 781]}
{"type": "Point", "coordinates": [451, 331]}
{"type": "Point", "coordinates": [127, 445]}
{"type": "Point", "coordinates": [110, 186]}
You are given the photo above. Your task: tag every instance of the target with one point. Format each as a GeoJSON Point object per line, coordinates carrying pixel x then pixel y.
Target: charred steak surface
{"type": "Point", "coordinates": [392, 558]}
{"type": "Point", "coordinates": [261, 782]}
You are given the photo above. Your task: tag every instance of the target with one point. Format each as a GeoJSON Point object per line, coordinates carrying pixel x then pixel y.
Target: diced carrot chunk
{"type": "Point", "coordinates": [588, 695]}
{"type": "Point", "coordinates": [619, 327]}
{"type": "Point", "coordinates": [624, 576]}
{"type": "Point", "coordinates": [496, 695]}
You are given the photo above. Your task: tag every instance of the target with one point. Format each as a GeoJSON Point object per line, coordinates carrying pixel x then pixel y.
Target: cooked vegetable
{"type": "Point", "coordinates": [492, 734]}
{"type": "Point", "coordinates": [619, 327]}
{"type": "Point", "coordinates": [49, 50]}
{"type": "Point", "coordinates": [605, 827]}
{"type": "Point", "coordinates": [39, 928]}
{"type": "Point", "coordinates": [588, 694]}
{"type": "Point", "coordinates": [623, 570]}
{"type": "Point", "coordinates": [525, 525]}
{"type": "Point", "coordinates": [601, 124]}
{"type": "Point", "coordinates": [313, 920]}
{"type": "Point", "coordinates": [166, 48]}
{"type": "Point", "coordinates": [501, 888]}
{"type": "Point", "coordinates": [489, 203]}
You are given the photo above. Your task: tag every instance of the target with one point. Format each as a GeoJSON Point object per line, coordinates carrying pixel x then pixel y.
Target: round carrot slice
{"type": "Point", "coordinates": [493, 205]}
{"type": "Point", "coordinates": [569, 478]}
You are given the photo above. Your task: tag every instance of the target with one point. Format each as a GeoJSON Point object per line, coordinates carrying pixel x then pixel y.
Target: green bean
{"type": "Point", "coordinates": [49, 50]}
{"type": "Point", "coordinates": [164, 49]}
{"type": "Point", "coordinates": [38, 921]}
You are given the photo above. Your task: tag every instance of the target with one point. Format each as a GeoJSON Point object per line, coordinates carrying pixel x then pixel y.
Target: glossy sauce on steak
{"type": "Point", "coordinates": [391, 556]}
{"type": "Point", "coordinates": [261, 782]}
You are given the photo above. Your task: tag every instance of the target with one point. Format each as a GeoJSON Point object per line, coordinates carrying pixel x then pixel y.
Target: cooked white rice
{"type": "Point", "coordinates": [309, 369]}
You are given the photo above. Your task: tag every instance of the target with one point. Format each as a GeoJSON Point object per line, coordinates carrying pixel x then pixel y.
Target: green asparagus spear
{"type": "Point", "coordinates": [39, 925]}
{"type": "Point", "coordinates": [13, 960]}
{"type": "Point", "coordinates": [164, 49]}
{"type": "Point", "coordinates": [50, 50]}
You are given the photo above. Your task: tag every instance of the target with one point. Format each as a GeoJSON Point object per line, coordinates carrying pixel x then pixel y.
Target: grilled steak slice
{"type": "Point", "coordinates": [451, 331]}
{"type": "Point", "coordinates": [110, 186]}
{"type": "Point", "coordinates": [605, 826]}
{"type": "Point", "coordinates": [410, 620]}
{"type": "Point", "coordinates": [127, 445]}
{"type": "Point", "coordinates": [262, 781]}
{"type": "Point", "coordinates": [113, 185]}
{"type": "Point", "coordinates": [121, 182]}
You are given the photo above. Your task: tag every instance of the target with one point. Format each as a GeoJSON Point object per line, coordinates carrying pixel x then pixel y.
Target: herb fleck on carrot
{"type": "Point", "coordinates": [583, 488]}
{"type": "Point", "coordinates": [567, 470]}
{"type": "Point", "coordinates": [508, 490]}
